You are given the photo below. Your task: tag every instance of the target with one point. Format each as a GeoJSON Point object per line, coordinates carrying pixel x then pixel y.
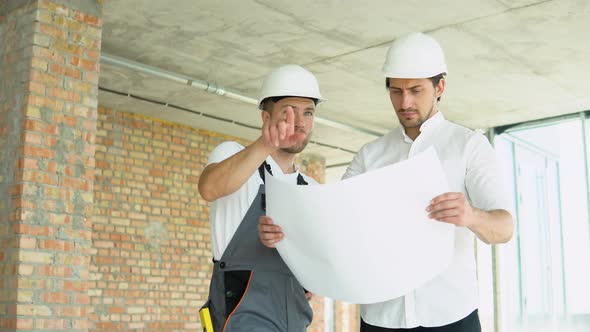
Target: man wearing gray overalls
{"type": "Point", "coordinates": [251, 287]}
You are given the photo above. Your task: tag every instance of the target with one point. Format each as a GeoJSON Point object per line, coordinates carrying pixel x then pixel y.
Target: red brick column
{"type": "Point", "coordinates": [49, 53]}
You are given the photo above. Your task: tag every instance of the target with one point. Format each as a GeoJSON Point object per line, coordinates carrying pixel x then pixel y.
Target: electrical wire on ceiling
{"type": "Point", "coordinates": [216, 89]}
{"type": "Point", "coordinates": [218, 118]}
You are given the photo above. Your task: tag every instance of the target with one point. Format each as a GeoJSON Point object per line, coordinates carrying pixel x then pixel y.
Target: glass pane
{"type": "Point", "coordinates": [508, 253]}
{"type": "Point", "coordinates": [546, 267]}
{"type": "Point", "coordinates": [533, 208]}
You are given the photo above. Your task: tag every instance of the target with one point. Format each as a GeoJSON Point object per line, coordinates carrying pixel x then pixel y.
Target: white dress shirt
{"type": "Point", "coordinates": [471, 167]}
{"type": "Point", "coordinates": [227, 212]}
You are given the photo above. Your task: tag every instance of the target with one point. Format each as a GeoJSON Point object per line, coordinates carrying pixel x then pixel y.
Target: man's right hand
{"type": "Point", "coordinates": [227, 176]}
{"type": "Point", "coordinates": [280, 132]}
{"type": "Point", "coordinates": [268, 232]}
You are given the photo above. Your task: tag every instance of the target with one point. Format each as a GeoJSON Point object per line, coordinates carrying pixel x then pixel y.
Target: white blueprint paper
{"type": "Point", "coordinates": [368, 238]}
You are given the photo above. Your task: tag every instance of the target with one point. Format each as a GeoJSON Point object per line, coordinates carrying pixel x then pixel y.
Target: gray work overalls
{"type": "Point", "coordinates": [252, 289]}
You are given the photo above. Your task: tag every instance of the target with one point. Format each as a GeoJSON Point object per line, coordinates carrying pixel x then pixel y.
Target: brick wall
{"type": "Point", "coordinates": [48, 101]}
{"type": "Point", "coordinates": [152, 253]}
{"type": "Point", "coordinates": [346, 317]}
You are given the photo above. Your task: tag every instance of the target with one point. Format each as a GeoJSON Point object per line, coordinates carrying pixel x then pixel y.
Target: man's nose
{"type": "Point", "coordinates": [407, 101]}
{"type": "Point", "coordinates": [299, 120]}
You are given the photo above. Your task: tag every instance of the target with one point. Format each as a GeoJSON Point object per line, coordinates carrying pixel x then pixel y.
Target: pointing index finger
{"type": "Point", "coordinates": [290, 121]}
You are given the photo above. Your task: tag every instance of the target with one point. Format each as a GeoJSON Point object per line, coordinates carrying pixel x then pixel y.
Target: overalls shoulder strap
{"type": "Point", "coordinates": [265, 166]}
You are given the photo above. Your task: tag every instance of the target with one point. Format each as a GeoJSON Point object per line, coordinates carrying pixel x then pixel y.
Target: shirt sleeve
{"type": "Point", "coordinates": [224, 151]}
{"type": "Point", "coordinates": [357, 165]}
{"type": "Point", "coordinates": [484, 180]}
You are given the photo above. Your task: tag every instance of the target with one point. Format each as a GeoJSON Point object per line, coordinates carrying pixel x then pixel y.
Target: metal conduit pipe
{"type": "Point", "coordinates": [214, 88]}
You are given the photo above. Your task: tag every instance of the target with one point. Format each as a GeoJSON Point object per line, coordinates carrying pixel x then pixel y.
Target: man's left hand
{"type": "Point", "coordinates": [452, 208]}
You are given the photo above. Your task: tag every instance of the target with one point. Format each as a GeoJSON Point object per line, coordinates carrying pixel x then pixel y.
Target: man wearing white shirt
{"type": "Point", "coordinates": [477, 204]}
{"type": "Point", "coordinates": [252, 289]}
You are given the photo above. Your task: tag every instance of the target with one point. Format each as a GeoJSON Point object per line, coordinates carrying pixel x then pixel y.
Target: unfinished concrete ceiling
{"type": "Point", "coordinates": [509, 60]}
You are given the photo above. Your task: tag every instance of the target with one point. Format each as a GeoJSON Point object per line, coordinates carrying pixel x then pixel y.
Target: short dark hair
{"type": "Point", "coordinates": [268, 103]}
{"type": "Point", "coordinates": [434, 79]}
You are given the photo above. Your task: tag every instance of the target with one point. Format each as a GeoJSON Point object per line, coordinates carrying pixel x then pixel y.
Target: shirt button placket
{"type": "Point", "coordinates": [414, 148]}
{"type": "Point", "coordinates": [410, 309]}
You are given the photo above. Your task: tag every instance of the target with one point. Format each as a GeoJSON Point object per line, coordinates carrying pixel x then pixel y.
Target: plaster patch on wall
{"type": "Point", "coordinates": [80, 205]}
{"type": "Point", "coordinates": [39, 215]}
{"type": "Point", "coordinates": [155, 233]}
{"type": "Point", "coordinates": [79, 168]}
{"type": "Point", "coordinates": [42, 164]}
{"type": "Point", "coordinates": [46, 115]}
{"type": "Point", "coordinates": [61, 150]}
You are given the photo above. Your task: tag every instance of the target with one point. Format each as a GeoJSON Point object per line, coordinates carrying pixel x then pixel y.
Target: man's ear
{"type": "Point", "coordinates": [265, 116]}
{"type": "Point", "coordinates": [440, 88]}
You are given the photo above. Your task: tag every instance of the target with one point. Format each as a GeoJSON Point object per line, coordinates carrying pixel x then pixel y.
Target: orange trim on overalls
{"type": "Point", "coordinates": [236, 308]}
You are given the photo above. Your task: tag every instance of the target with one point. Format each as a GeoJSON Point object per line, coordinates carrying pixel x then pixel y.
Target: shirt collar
{"type": "Point", "coordinates": [428, 125]}
{"type": "Point", "coordinates": [275, 166]}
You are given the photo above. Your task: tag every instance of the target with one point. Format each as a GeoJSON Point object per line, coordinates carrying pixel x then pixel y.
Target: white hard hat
{"type": "Point", "coordinates": [289, 80]}
{"type": "Point", "coordinates": [415, 55]}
